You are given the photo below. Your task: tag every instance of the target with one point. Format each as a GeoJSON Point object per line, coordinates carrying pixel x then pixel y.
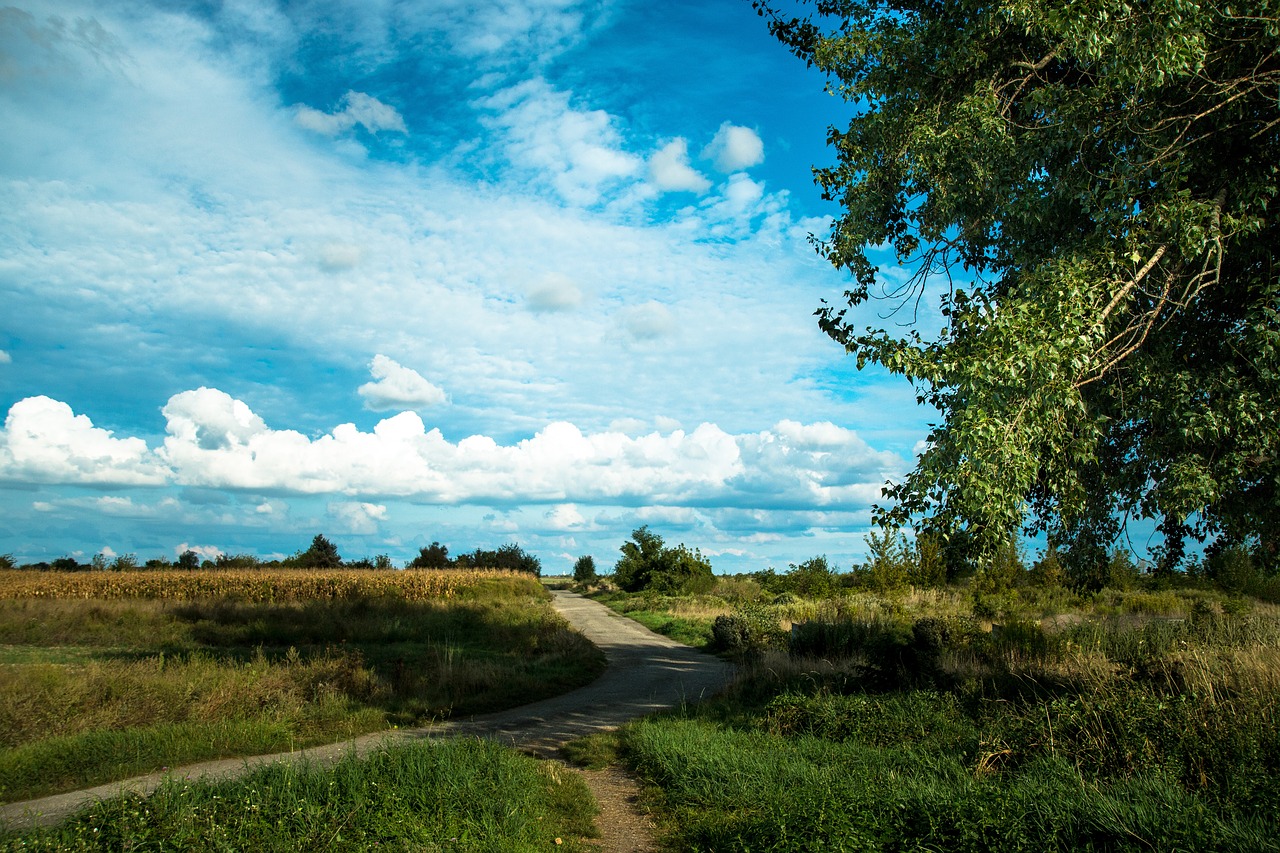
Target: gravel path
{"type": "Point", "coordinates": [647, 672]}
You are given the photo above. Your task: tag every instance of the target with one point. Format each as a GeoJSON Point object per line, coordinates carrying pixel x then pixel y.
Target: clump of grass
{"type": "Point", "coordinates": [456, 795]}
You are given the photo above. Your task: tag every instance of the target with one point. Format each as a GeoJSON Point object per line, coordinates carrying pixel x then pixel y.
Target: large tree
{"type": "Point", "coordinates": [1086, 191]}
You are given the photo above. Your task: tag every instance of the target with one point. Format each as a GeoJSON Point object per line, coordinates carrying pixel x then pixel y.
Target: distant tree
{"type": "Point", "coordinates": [322, 554]}
{"type": "Point", "coordinates": [7, 562]}
{"type": "Point", "coordinates": [67, 564]}
{"type": "Point", "coordinates": [813, 578]}
{"type": "Point", "coordinates": [188, 560]}
{"type": "Point", "coordinates": [647, 564]}
{"type": "Point", "coordinates": [99, 563]}
{"type": "Point", "coordinates": [509, 557]}
{"type": "Point", "coordinates": [584, 570]}
{"type": "Point", "coordinates": [158, 564]}
{"type": "Point", "coordinates": [886, 568]}
{"type": "Point", "coordinates": [927, 567]}
{"type": "Point", "coordinates": [382, 562]}
{"type": "Point", "coordinates": [124, 563]}
{"type": "Point", "coordinates": [640, 556]}
{"type": "Point", "coordinates": [434, 556]}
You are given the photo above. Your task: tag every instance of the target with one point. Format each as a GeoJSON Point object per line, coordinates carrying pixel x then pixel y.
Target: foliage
{"type": "Point", "coordinates": [751, 629]}
{"type": "Point", "coordinates": [188, 560]}
{"type": "Point", "coordinates": [887, 558]}
{"type": "Point", "coordinates": [434, 556]}
{"type": "Point", "coordinates": [322, 554]}
{"type": "Point", "coordinates": [1084, 190]}
{"type": "Point", "coordinates": [584, 569]}
{"type": "Point", "coordinates": [646, 563]}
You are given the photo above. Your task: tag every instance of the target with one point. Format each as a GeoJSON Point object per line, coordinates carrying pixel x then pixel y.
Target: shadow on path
{"type": "Point", "coordinates": [647, 672]}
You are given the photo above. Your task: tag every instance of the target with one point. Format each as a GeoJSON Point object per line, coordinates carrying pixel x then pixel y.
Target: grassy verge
{"type": "Point", "coordinates": [99, 688]}
{"type": "Point", "coordinates": [1142, 722]}
{"type": "Point", "coordinates": [455, 795]}
{"type": "Point", "coordinates": [687, 619]}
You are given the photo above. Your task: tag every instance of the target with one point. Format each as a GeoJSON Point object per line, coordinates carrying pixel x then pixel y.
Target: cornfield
{"type": "Point", "coordinates": [274, 586]}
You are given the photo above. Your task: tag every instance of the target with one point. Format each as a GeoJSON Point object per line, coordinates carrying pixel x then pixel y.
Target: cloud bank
{"type": "Point", "coordinates": [215, 441]}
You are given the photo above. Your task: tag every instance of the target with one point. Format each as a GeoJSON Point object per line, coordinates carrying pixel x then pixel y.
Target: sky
{"type": "Point", "coordinates": [531, 271]}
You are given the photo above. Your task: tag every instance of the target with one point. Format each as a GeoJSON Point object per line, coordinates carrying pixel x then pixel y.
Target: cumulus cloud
{"type": "Point", "coordinates": [354, 108]}
{"type": "Point", "coordinates": [214, 441]}
{"type": "Point", "coordinates": [398, 387]}
{"type": "Point", "coordinates": [45, 442]}
{"type": "Point", "coordinates": [579, 152]}
{"type": "Point", "coordinates": [358, 517]}
{"type": "Point", "coordinates": [735, 148]}
{"type": "Point", "coordinates": [669, 169]}
{"type": "Point", "coordinates": [5, 358]}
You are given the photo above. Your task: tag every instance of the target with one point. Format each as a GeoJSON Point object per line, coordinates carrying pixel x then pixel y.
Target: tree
{"type": "Point", "coordinates": [322, 554]}
{"type": "Point", "coordinates": [646, 563]}
{"type": "Point", "coordinates": [188, 560]}
{"type": "Point", "coordinates": [434, 556]}
{"type": "Point", "coordinates": [584, 569]}
{"type": "Point", "coordinates": [1083, 189]}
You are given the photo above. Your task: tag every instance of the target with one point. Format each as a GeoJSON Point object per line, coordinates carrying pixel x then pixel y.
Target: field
{"type": "Point", "coordinates": [1134, 719]}
{"type": "Point", "coordinates": [104, 675]}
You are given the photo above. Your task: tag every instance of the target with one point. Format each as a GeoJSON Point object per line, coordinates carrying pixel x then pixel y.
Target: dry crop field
{"type": "Point", "coordinates": [109, 674]}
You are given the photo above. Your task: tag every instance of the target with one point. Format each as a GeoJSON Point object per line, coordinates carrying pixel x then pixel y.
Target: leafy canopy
{"type": "Point", "coordinates": [1084, 193]}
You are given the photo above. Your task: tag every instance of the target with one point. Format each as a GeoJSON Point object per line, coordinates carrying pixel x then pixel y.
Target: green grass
{"type": "Point", "coordinates": [95, 690]}
{"type": "Point", "coordinates": [1146, 721]}
{"type": "Point", "coordinates": [464, 795]}
{"type": "Point", "coordinates": [682, 618]}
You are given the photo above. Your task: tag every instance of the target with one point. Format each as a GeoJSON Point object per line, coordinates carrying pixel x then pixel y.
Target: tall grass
{"type": "Point", "coordinates": [129, 684]}
{"type": "Point", "coordinates": [456, 795]}
{"type": "Point", "coordinates": [1142, 720]}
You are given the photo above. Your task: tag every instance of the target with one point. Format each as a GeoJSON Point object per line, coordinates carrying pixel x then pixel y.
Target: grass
{"type": "Point", "coordinates": [464, 795]}
{"type": "Point", "coordinates": [95, 689]}
{"type": "Point", "coordinates": [1132, 720]}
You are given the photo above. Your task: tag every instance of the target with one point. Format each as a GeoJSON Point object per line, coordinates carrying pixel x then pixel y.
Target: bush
{"type": "Point", "coordinates": [746, 632]}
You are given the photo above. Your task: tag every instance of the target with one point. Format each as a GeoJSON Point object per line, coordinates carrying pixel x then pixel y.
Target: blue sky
{"type": "Point", "coordinates": [532, 271]}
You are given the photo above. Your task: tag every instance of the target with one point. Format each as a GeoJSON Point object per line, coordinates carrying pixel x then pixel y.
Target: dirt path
{"type": "Point", "coordinates": [647, 672]}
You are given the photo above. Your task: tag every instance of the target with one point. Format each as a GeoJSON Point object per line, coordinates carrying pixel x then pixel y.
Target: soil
{"type": "Point", "coordinates": [647, 672]}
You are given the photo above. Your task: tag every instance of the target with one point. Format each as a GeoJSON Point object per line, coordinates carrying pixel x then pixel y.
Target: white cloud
{"type": "Point", "coordinates": [355, 108]}
{"type": "Point", "coordinates": [578, 152]}
{"type": "Point", "coordinates": [205, 552]}
{"type": "Point", "coordinates": [45, 442]}
{"type": "Point", "coordinates": [735, 148]}
{"type": "Point", "coordinates": [5, 358]}
{"type": "Point", "coordinates": [216, 441]}
{"type": "Point", "coordinates": [357, 517]}
{"type": "Point", "coordinates": [564, 517]}
{"type": "Point", "coordinates": [670, 171]}
{"type": "Point", "coordinates": [398, 387]}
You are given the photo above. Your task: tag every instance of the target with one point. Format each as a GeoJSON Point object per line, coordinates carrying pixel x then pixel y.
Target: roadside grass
{"type": "Point", "coordinates": [1132, 720]}
{"type": "Point", "coordinates": [686, 619]}
{"type": "Point", "coordinates": [102, 688]}
{"type": "Point", "coordinates": [464, 795]}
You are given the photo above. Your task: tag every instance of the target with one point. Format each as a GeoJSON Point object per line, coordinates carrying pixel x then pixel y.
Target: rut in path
{"type": "Point", "coordinates": [647, 672]}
